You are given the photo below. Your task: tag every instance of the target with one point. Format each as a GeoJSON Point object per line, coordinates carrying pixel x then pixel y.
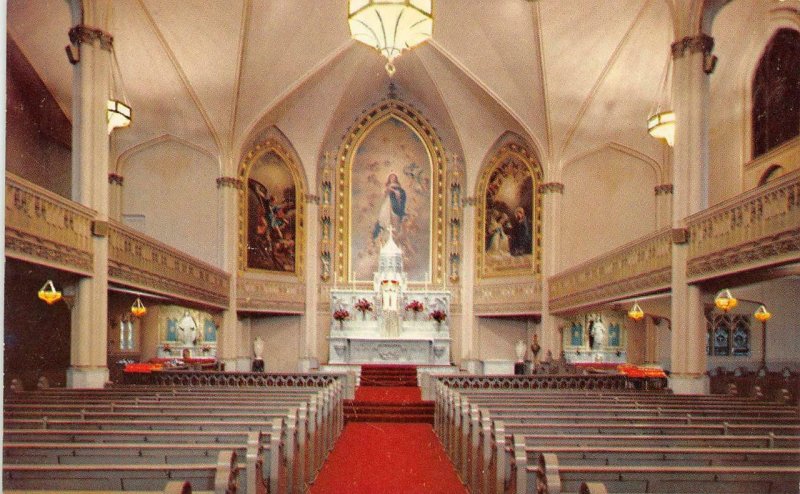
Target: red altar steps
{"type": "Point", "coordinates": [388, 375]}
{"type": "Point", "coordinates": [388, 393]}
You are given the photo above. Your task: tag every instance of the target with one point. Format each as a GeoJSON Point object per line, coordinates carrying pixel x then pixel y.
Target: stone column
{"type": "Point", "coordinates": [469, 351]}
{"type": "Point", "coordinates": [90, 152]}
{"type": "Point", "coordinates": [690, 179]}
{"type": "Point", "coordinates": [663, 205]}
{"type": "Point", "coordinates": [308, 344]}
{"type": "Point", "coordinates": [115, 196]}
{"type": "Point", "coordinates": [230, 350]}
{"type": "Point", "coordinates": [552, 196]}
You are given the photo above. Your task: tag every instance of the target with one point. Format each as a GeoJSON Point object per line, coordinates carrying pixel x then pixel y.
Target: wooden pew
{"type": "Point", "coordinates": [219, 477]}
{"type": "Point", "coordinates": [172, 487]}
{"type": "Point", "coordinates": [551, 476]}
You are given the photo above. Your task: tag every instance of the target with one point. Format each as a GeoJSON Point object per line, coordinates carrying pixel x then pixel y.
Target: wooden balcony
{"type": "Point", "coordinates": [49, 230]}
{"type": "Point", "coordinates": [46, 229]}
{"type": "Point", "coordinates": [138, 261]}
{"type": "Point", "coordinates": [634, 269]}
{"type": "Point", "coordinates": [753, 230]}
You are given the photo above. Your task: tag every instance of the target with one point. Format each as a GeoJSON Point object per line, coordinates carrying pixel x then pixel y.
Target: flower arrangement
{"type": "Point", "coordinates": [363, 305]}
{"type": "Point", "coordinates": [341, 314]}
{"type": "Point", "coordinates": [415, 306]}
{"type": "Point", "coordinates": [438, 315]}
{"type": "Point", "coordinates": [167, 348]}
{"type": "Point", "coordinates": [206, 348]}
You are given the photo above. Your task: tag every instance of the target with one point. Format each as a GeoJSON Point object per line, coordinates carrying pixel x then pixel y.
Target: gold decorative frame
{"type": "Point", "coordinates": [282, 150]}
{"type": "Point", "coordinates": [509, 151]}
{"type": "Point", "coordinates": [389, 108]}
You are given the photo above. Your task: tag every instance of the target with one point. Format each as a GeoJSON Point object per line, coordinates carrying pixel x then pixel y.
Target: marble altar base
{"type": "Point", "coordinates": [378, 350]}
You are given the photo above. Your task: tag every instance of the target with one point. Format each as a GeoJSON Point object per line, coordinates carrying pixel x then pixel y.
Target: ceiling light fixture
{"type": "Point", "coordinates": [118, 111]}
{"type": "Point", "coordinates": [661, 120]}
{"type": "Point", "coordinates": [390, 26]}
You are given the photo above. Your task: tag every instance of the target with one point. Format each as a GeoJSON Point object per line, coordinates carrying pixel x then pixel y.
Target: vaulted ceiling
{"type": "Point", "coordinates": [569, 76]}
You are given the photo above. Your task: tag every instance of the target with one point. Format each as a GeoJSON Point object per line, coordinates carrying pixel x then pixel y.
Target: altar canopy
{"type": "Point", "coordinates": [390, 323]}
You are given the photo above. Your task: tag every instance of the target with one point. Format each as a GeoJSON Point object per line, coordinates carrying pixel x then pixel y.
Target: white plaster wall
{"type": "Point", "coordinates": [608, 201]}
{"type": "Point", "coordinates": [174, 187]}
{"type": "Point", "coordinates": [281, 335]}
{"type": "Point", "coordinates": [783, 329]}
{"type": "Point", "coordinates": [497, 337]}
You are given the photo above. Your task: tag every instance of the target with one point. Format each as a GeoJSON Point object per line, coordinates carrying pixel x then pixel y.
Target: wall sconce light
{"type": "Point", "coordinates": [138, 309]}
{"type": "Point", "coordinates": [49, 294]}
{"type": "Point", "coordinates": [725, 301]}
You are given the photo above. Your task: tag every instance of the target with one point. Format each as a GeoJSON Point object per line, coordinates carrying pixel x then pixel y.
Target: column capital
{"type": "Point", "coordinates": [87, 34]}
{"type": "Point", "coordinates": [663, 189]}
{"type": "Point", "coordinates": [312, 199]}
{"type": "Point", "coordinates": [232, 182]}
{"type": "Point", "coordinates": [115, 179]}
{"type": "Point", "coordinates": [469, 201]}
{"type": "Point", "coordinates": [549, 187]}
{"type": "Point", "coordinates": [699, 43]}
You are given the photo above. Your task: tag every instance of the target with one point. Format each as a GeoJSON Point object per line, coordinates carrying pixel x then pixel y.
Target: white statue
{"type": "Point", "coordinates": [187, 330]}
{"type": "Point", "coordinates": [520, 350]}
{"type": "Point", "coordinates": [598, 331]}
{"type": "Point", "coordinates": [258, 348]}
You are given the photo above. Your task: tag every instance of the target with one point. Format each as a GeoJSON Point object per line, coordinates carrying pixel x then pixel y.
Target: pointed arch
{"type": "Point", "coordinates": [272, 227]}
{"type": "Point", "coordinates": [508, 218]}
{"type": "Point", "coordinates": [423, 187]}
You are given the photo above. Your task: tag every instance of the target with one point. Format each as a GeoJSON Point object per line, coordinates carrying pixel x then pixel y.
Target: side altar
{"type": "Point", "coordinates": [390, 324]}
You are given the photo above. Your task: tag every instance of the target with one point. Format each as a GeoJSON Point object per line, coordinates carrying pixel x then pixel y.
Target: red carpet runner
{"type": "Point", "coordinates": [374, 455]}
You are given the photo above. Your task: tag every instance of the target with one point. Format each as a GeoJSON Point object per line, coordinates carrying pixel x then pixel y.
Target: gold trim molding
{"type": "Point", "coordinates": [406, 113]}
{"type": "Point", "coordinates": [282, 150]}
{"type": "Point", "coordinates": [508, 299]}
{"type": "Point", "coordinates": [230, 182]}
{"type": "Point", "coordinates": [270, 296]}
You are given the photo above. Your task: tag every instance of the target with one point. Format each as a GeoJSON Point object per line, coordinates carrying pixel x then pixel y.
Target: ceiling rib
{"type": "Point", "coordinates": [181, 74]}
{"type": "Point", "coordinates": [537, 22]}
{"type": "Point", "coordinates": [599, 82]}
{"type": "Point", "coordinates": [243, 29]}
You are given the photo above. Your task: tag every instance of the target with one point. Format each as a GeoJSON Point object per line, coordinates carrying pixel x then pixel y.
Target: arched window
{"type": "Point", "coordinates": [728, 334]}
{"type": "Point", "coordinates": [776, 93]}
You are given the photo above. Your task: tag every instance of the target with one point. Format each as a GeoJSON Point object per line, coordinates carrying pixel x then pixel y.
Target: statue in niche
{"type": "Point", "coordinates": [187, 330]}
{"type": "Point", "coordinates": [597, 334]}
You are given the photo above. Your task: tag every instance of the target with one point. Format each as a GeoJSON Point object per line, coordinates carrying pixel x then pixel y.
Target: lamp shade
{"type": "Point", "coordinates": [725, 301]}
{"type": "Point", "coordinates": [118, 114]}
{"type": "Point", "coordinates": [636, 313]}
{"type": "Point", "coordinates": [390, 26]}
{"type": "Point", "coordinates": [661, 125]}
{"type": "Point", "coordinates": [138, 309]}
{"type": "Point", "coordinates": [49, 294]}
{"type": "Point", "coordinates": [762, 314]}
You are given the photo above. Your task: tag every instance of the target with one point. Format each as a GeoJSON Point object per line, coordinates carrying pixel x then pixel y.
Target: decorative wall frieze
{"type": "Point", "coordinates": [139, 261]}
{"type": "Point", "coordinates": [699, 43]}
{"type": "Point", "coordinates": [551, 187]}
{"type": "Point", "coordinates": [232, 182]}
{"type": "Point", "coordinates": [758, 228]}
{"type": "Point", "coordinates": [270, 296]}
{"type": "Point", "coordinates": [47, 229]}
{"type": "Point", "coordinates": [508, 298]}
{"type": "Point", "coordinates": [641, 266]}
{"type": "Point", "coordinates": [115, 179]}
{"type": "Point", "coordinates": [87, 34]}
{"type": "Point", "coordinates": [663, 189]}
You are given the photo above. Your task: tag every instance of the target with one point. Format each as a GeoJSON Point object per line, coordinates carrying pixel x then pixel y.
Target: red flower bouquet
{"type": "Point", "coordinates": [415, 306]}
{"type": "Point", "coordinates": [363, 305]}
{"type": "Point", "coordinates": [341, 314]}
{"type": "Point", "coordinates": [438, 315]}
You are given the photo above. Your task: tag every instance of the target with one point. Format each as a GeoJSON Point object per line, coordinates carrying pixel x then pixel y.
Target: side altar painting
{"type": "Point", "coordinates": [271, 207]}
{"type": "Point", "coordinates": [508, 218]}
{"type": "Point", "coordinates": [391, 186]}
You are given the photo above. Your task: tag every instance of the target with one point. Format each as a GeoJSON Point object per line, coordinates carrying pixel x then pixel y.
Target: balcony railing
{"type": "Point", "coordinates": [639, 267]}
{"type": "Point", "coordinates": [47, 229]}
{"type": "Point", "coordinates": [758, 228]}
{"type": "Point", "coordinates": [139, 261]}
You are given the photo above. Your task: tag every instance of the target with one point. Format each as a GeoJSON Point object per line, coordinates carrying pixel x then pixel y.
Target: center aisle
{"type": "Point", "coordinates": [381, 454]}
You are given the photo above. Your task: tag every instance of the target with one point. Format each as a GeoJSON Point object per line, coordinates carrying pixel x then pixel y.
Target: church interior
{"type": "Point", "coordinates": [468, 197]}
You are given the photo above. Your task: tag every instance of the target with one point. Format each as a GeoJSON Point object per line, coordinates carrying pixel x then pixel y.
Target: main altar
{"type": "Point", "coordinates": [390, 324]}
